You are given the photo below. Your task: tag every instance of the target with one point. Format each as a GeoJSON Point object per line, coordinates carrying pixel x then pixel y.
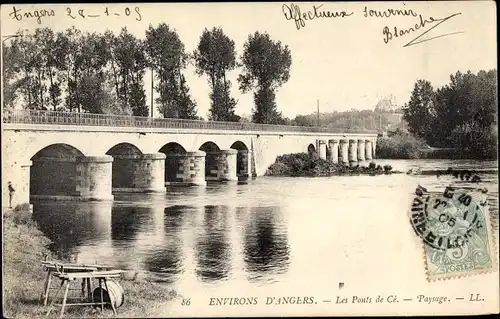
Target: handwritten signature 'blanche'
{"type": "Point", "coordinates": [389, 34]}
{"type": "Point", "coordinates": [292, 11]}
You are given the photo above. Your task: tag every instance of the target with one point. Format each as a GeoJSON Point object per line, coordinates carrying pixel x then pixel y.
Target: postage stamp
{"type": "Point", "coordinates": [456, 231]}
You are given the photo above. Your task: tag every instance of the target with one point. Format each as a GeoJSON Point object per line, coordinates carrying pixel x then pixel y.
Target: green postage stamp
{"type": "Point", "coordinates": [456, 231]}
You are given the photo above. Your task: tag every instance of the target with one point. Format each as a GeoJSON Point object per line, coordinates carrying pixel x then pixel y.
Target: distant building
{"type": "Point", "coordinates": [396, 125]}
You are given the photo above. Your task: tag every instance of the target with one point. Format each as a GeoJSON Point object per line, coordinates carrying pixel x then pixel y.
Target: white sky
{"type": "Point", "coordinates": [343, 62]}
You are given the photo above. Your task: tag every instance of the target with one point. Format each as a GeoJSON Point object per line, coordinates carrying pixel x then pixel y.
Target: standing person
{"type": "Point", "coordinates": [11, 193]}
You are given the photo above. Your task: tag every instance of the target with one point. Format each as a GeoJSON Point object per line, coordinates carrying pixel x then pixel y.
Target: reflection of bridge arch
{"type": "Point", "coordinates": [211, 149]}
{"type": "Point", "coordinates": [124, 155]}
{"type": "Point", "coordinates": [266, 247]}
{"type": "Point", "coordinates": [212, 248]}
{"type": "Point", "coordinates": [53, 171]}
{"type": "Point", "coordinates": [242, 159]}
{"type": "Point", "coordinates": [173, 161]}
{"type": "Point", "coordinates": [167, 258]}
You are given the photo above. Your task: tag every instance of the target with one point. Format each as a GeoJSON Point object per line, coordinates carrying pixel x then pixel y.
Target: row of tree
{"type": "Point", "coordinates": [104, 73]}
{"type": "Point", "coordinates": [352, 119]}
{"type": "Point", "coordinates": [378, 119]}
{"type": "Point", "coordinates": [462, 114]}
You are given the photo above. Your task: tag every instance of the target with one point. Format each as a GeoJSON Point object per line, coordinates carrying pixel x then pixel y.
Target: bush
{"type": "Point", "coordinates": [22, 207]}
{"type": "Point", "coordinates": [372, 165]}
{"type": "Point", "coordinates": [22, 215]}
{"type": "Point", "coordinates": [400, 147]}
{"type": "Point", "coordinates": [300, 164]}
{"type": "Point", "coordinates": [387, 168]}
{"type": "Point", "coordinates": [278, 169]}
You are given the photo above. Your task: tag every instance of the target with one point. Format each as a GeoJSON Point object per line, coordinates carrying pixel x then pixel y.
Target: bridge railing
{"type": "Point", "coordinates": [90, 119]}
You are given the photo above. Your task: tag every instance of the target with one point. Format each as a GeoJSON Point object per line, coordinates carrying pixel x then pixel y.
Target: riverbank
{"type": "Point", "coordinates": [25, 246]}
{"type": "Point", "coordinates": [310, 165]}
{"type": "Point", "coordinates": [409, 147]}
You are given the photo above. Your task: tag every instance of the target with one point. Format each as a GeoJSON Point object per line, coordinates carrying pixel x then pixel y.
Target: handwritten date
{"type": "Point", "coordinates": [38, 15]}
{"type": "Point", "coordinates": [106, 13]}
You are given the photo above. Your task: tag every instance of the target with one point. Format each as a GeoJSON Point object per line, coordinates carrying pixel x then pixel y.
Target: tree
{"type": "Point", "coordinates": [222, 104]}
{"type": "Point", "coordinates": [90, 54]}
{"type": "Point", "coordinates": [167, 58]}
{"type": "Point", "coordinates": [128, 66]}
{"type": "Point", "coordinates": [10, 70]}
{"type": "Point", "coordinates": [26, 63]}
{"type": "Point", "coordinates": [215, 56]}
{"type": "Point", "coordinates": [420, 110]}
{"type": "Point", "coordinates": [266, 66]}
{"type": "Point", "coordinates": [186, 106]}
{"type": "Point", "coordinates": [467, 112]}
{"type": "Point", "coordinates": [54, 49]}
{"type": "Point", "coordinates": [93, 96]}
{"type": "Point", "coordinates": [462, 114]}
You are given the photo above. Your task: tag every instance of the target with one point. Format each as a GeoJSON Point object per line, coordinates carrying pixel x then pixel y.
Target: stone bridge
{"type": "Point", "coordinates": [82, 156]}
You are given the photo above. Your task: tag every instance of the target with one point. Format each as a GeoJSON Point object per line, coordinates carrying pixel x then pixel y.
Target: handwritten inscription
{"type": "Point", "coordinates": [38, 15]}
{"type": "Point", "coordinates": [79, 13]}
{"type": "Point", "coordinates": [390, 33]}
{"type": "Point", "coordinates": [388, 13]}
{"type": "Point", "coordinates": [293, 12]}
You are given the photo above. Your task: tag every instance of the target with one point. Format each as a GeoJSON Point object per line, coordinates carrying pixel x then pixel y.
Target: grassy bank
{"type": "Point", "coordinates": [23, 277]}
{"type": "Point", "coordinates": [303, 164]}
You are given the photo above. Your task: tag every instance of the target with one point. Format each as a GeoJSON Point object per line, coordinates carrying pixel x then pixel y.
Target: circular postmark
{"type": "Point", "coordinates": [448, 221]}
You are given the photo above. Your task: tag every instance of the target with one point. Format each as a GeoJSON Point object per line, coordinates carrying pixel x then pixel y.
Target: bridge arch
{"type": "Point", "coordinates": [311, 149]}
{"type": "Point", "coordinates": [173, 152]}
{"type": "Point", "coordinates": [239, 145]}
{"type": "Point", "coordinates": [242, 159]}
{"type": "Point", "coordinates": [211, 149]}
{"type": "Point", "coordinates": [53, 170]}
{"type": "Point", "coordinates": [124, 157]}
{"type": "Point", "coordinates": [124, 149]}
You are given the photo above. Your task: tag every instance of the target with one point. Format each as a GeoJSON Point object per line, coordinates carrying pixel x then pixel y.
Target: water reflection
{"type": "Point", "coordinates": [127, 221]}
{"type": "Point", "coordinates": [166, 258]}
{"type": "Point", "coordinates": [213, 250]}
{"type": "Point", "coordinates": [266, 243]}
{"type": "Point", "coordinates": [72, 224]}
{"type": "Point", "coordinates": [222, 232]}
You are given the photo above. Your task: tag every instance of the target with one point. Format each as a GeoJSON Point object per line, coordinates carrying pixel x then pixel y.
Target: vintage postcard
{"type": "Point", "coordinates": [249, 159]}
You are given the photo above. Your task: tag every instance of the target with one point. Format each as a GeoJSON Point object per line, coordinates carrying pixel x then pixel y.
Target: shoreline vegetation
{"type": "Point", "coordinates": [310, 165]}
{"type": "Point", "coordinates": [408, 147]}
{"type": "Point", "coordinates": [25, 246]}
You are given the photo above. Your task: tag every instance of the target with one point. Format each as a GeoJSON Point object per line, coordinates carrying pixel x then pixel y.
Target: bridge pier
{"type": "Point", "coordinates": [211, 165]}
{"type": "Point", "coordinates": [243, 164]}
{"type": "Point", "coordinates": [344, 151]}
{"type": "Point", "coordinates": [226, 165]}
{"type": "Point", "coordinates": [368, 150]}
{"type": "Point", "coordinates": [93, 178]}
{"type": "Point", "coordinates": [143, 173]}
{"type": "Point", "coordinates": [191, 169]}
{"type": "Point", "coordinates": [353, 152]}
{"type": "Point", "coordinates": [361, 150]}
{"type": "Point", "coordinates": [321, 147]}
{"type": "Point", "coordinates": [334, 151]}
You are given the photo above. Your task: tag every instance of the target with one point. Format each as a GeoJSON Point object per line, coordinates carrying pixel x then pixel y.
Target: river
{"type": "Point", "coordinates": [294, 233]}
